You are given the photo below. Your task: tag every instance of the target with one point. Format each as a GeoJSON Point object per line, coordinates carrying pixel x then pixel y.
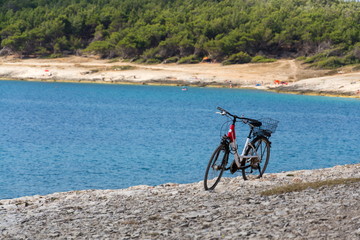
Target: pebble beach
{"type": "Point", "coordinates": [236, 209]}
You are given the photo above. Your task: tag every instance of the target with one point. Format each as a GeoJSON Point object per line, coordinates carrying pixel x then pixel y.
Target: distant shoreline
{"type": "Point", "coordinates": [183, 83]}
{"type": "Point", "coordinates": [283, 76]}
{"type": "Point", "coordinates": [178, 83]}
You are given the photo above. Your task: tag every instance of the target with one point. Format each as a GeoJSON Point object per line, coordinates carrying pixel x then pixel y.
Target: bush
{"type": "Point", "coordinates": [238, 58]}
{"type": "Point", "coordinates": [152, 53]}
{"type": "Point", "coordinates": [189, 59]}
{"type": "Point", "coordinates": [301, 58]}
{"type": "Point", "coordinates": [100, 47]}
{"type": "Point", "coordinates": [353, 57]}
{"type": "Point", "coordinates": [356, 68]}
{"type": "Point", "coordinates": [171, 60]}
{"type": "Point", "coordinates": [261, 59]}
{"type": "Point", "coordinates": [140, 60]}
{"type": "Point", "coordinates": [329, 63]}
{"type": "Point", "coordinates": [153, 61]}
{"type": "Point", "coordinates": [324, 55]}
{"type": "Point", "coordinates": [113, 60]}
{"type": "Point", "coordinates": [311, 59]}
{"type": "Point", "coordinates": [56, 55]}
{"type": "Point", "coordinates": [123, 67]}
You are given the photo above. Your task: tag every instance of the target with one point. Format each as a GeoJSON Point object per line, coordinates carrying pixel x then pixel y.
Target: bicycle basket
{"type": "Point", "coordinates": [268, 124]}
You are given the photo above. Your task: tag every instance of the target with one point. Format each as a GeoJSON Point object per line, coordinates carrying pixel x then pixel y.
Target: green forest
{"type": "Point", "coordinates": [324, 33]}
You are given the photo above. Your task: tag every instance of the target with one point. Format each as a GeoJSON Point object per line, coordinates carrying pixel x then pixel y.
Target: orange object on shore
{"type": "Point", "coordinates": [206, 60]}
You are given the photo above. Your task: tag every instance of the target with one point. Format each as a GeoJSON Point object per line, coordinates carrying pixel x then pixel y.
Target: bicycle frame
{"type": "Point", "coordinates": [233, 144]}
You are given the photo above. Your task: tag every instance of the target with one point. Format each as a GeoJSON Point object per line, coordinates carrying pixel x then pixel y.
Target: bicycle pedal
{"type": "Point", "coordinates": [233, 167]}
{"type": "Point", "coordinates": [255, 163]}
{"type": "Point", "coordinates": [217, 168]}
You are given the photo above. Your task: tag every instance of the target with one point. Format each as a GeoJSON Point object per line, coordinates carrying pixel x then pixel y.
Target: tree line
{"type": "Point", "coordinates": [325, 33]}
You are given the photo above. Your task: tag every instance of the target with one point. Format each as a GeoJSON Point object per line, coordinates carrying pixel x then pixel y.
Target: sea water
{"type": "Point", "coordinates": [61, 136]}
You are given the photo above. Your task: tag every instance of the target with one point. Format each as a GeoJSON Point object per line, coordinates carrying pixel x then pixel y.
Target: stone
{"type": "Point", "coordinates": [186, 211]}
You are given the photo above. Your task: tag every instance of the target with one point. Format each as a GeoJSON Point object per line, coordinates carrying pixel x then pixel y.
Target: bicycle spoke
{"type": "Point", "coordinates": [216, 167]}
{"type": "Point", "coordinates": [255, 166]}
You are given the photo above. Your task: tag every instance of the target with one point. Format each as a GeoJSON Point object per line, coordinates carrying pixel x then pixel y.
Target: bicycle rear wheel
{"type": "Point", "coordinates": [255, 165]}
{"type": "Point", "coordinates": [216, 167]}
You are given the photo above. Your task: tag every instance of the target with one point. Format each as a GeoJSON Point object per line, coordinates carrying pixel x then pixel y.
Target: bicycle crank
{"type": "Point", "coordinates": [216, 167]}
{"type": "Point", "coordinates": [255, 162]}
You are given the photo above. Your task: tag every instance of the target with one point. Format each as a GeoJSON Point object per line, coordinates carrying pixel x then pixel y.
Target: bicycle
{"type": "Point", "coordinates": [255, 154]}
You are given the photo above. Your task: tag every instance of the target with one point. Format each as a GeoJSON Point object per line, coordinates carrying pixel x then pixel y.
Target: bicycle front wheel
{"type": "Point", "coordinates": [216, 167]}
{"type": "Point", "coordinates": [257, 158]}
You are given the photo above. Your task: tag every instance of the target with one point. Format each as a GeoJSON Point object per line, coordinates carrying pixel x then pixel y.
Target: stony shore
{"type": "Point", "coordinates": [234, 210]}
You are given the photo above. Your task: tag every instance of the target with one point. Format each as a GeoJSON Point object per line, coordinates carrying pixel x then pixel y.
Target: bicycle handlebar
{"type": "Point", "coordinates": [244, 119]}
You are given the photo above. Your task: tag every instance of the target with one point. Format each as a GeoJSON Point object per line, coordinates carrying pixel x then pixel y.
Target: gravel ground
{"type": "Point", "coordinates": [234, 210]}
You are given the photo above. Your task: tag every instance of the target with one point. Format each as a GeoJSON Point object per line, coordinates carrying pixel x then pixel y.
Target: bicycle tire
{"type": "Point", "coordinates": [256, 167]}
{"type": "Point", "coordinates": [216, 166]}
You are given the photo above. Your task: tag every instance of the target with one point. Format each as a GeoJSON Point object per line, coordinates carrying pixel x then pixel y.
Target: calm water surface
{"type": "Point", "coordinates": [61, 136]}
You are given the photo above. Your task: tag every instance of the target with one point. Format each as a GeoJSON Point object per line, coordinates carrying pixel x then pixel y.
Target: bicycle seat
{"type": "Point", "coordinates": [255, 123]}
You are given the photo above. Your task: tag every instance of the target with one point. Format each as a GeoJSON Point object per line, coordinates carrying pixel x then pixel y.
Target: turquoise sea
{"type": "Point", "coordinates": [61, 136]}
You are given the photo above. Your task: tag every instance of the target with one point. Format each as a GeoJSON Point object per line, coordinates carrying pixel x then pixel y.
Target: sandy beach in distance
{"type": "Point", "coordinates": [283, 75]}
